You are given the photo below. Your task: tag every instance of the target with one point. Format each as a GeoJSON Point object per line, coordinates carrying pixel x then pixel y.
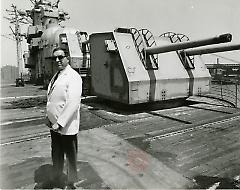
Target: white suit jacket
{"type": "Point", "coordinates": [63, 101]}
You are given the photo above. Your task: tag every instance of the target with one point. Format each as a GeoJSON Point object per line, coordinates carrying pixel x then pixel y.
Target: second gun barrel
{"type": "Point", "coordinates": [190, 44]}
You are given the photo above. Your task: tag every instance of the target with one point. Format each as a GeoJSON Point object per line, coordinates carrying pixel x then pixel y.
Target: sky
{"type": "Point", "coordinates": [198, 19]}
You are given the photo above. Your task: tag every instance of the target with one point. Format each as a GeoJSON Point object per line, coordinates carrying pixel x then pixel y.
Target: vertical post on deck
{"type": "Point", "coordinates": [236, 100]}
{"type": "Point", "coordinates": [221, 90]}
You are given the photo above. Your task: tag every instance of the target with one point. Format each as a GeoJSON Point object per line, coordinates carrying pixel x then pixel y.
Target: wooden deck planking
{"type": "Point", "coordinates": [193, 148]}
{"type": "Point", "coordinates": [220, 144]}
{"type": "Point", "coordinates": [203, 158]}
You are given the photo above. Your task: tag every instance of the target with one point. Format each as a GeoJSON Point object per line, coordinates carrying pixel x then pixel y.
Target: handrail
{"type": "Point", "coordinates": [225, 92]}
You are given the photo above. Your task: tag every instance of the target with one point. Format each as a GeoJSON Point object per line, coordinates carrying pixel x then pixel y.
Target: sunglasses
{"type": "Point", "coordinates": [60, 57]}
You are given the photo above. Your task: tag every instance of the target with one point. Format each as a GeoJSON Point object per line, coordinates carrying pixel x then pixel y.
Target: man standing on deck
{"type": "Point", "coordinates": [63, 117]}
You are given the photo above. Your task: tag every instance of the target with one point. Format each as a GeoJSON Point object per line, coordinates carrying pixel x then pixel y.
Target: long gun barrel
{"type": "Point", "coordinates": [191, 44]}
{"type": "Point", "coordinates": [212, 50]}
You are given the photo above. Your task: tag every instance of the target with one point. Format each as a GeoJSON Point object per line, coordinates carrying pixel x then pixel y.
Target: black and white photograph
{"type": "Point", "coordinates": [120, 94]}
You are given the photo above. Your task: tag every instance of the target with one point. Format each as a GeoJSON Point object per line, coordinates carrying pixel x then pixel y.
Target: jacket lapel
{"type": "Point", "coordinates": [61, 74]}
{"type": "Point", "coordinates": [50, 84]}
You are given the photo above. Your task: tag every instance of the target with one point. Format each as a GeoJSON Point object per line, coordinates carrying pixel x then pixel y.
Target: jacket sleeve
{"type": "Point", "coordinates": [73, 100]}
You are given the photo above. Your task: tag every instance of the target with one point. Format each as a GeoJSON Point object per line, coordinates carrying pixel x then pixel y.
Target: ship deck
{"type": "Point", "coordinates": [195, 145]}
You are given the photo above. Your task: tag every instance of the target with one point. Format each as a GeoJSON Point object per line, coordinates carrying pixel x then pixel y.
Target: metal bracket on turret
{"type": "Point", "coordinates": [111, 45]}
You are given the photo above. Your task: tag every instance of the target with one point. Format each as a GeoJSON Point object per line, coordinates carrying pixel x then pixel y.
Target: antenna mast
{"type": "Point", "coordinates": [18, 17]}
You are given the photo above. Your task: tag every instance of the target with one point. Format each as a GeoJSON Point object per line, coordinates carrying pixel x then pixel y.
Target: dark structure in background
{"type": "Point", "coordinates": [224, 72]}
{"type": "Point", "coordinates": [9, 74]}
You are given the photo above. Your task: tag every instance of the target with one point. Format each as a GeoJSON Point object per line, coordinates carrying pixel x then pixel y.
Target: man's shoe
{"type": "Point", "coordinates": [70, 186]}
{"type": "Point", "coordinates": [44, 185]}
{"type": "Point", "coordinates": [75, 185]}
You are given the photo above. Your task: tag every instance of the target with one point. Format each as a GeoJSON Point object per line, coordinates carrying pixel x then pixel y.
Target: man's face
{"type": "Point", "coordinates": [60, 59]}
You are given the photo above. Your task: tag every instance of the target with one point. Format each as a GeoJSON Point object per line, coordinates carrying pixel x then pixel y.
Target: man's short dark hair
{"type": "Point", "coordinates": [59, 48]}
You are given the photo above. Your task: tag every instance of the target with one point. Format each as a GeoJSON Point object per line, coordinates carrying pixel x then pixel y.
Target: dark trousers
{"type": "Point", "coordinates": [64, 144]}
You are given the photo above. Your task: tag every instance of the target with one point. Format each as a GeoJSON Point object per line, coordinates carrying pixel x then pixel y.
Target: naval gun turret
{"type": "Point", "coordinates": [69, 39]}
{"type": "Point", "coordinates": [45, 34]}
{"type": "Point", "coordinates": [131, 66]}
